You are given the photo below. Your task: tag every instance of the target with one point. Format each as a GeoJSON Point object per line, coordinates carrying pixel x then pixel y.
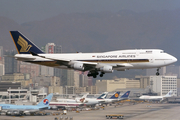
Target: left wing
{"type": "Point", "coordinates": [78, 65]}
{"type": "Point", "coordinates": [82, 65]}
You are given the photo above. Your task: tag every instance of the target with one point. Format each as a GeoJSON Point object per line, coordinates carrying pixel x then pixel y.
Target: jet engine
{"type": "Point", "coordinates": [106, 69]}
{"type": "Point", "coordinates": [78, 66]}
{"type": "Point", "coordinates": [14, 112]}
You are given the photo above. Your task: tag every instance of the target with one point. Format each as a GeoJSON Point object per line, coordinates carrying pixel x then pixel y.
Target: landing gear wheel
{"type": "Point", "coordinates": [94, 76]}
{"type": "Point", "coordinates": [157, 73]}
{"type": "Point", "coordinates": [102, 73]}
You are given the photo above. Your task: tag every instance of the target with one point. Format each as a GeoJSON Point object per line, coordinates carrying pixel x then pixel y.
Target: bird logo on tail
{"type": "Point", "coordinates": [24, 44]}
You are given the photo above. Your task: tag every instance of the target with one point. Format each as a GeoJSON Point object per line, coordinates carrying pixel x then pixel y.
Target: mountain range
{"type": "Point", "coordinates": [101, 32]}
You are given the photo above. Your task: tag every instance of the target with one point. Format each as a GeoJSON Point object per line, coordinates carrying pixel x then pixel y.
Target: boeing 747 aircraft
{"type": "Point", "coordinates": [95, 63]}
{"type": "Point", "coordinates": [147, 97]}
{"type": "Point", "coordinates": [10, 109]}
{"type": "Point", "coordinates": [113, 98]}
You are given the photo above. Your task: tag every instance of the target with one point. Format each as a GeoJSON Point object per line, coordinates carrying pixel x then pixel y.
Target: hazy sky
{"type": "Point", "coordinates": [29, 10]}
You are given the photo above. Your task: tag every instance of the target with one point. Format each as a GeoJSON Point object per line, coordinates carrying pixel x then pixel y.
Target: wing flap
{"type": "Point", "coordinates": [124, 65]}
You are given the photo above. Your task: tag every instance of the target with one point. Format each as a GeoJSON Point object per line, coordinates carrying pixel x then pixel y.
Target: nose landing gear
{"type": "Point", "coordinates": [157, 73]}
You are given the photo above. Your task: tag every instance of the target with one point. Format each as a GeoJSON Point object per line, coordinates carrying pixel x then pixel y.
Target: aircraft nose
{"type": "Point", "coordinates": [174, 59]}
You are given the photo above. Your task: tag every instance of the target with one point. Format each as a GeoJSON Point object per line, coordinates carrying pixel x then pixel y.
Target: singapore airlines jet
{"type": "Point", "coordinates": [95, 63]}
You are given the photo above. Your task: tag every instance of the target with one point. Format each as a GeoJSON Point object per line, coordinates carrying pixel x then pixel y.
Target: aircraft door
{"type": "Point", "coordinates": [151, 60]}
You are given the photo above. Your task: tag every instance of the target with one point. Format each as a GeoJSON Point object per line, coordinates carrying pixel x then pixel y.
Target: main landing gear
{"type": "Point", "coordinates": [157, 73]}
{"type": "Point", "coordinates": [94, 74]}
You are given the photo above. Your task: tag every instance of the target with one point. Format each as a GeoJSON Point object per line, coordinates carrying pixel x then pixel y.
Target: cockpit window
{"type": "Point", "coordinates": [162, 52]}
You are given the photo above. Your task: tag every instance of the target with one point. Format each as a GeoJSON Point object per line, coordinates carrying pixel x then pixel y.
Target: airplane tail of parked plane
{"type": "Point", "coordinates": [125, 95]}
{"type": "Point", "coordinates": [46, 100]}
{"type": "Point", "coordinates": [115, 96]}
{"type": "Point", "coordinates": [23, 44]}
{"type": "Point", "coordinates": [103, 96]}
{"type": "Point", "coordinates": [169, 94]}
{"type": "Point", "coordinates": [83, 98]}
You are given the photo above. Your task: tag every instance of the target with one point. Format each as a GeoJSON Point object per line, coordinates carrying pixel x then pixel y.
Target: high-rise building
{"type": "Point", "coordinates": [2, 69]}
{"type": "Point", "coordinates": [84, 80]}
{"type": "Point", "coordinates": [163, 84]}
{"type": "Point", "coordinates": [11, 65]}
{"type": "Point", "coordinates": [1, 54]}
{"type": "Point", "coordinates": [32, 69]}
{"type": "Point", "coordinates": [44, 70]}
{"type": "Point", "coordinates": [57, 71]}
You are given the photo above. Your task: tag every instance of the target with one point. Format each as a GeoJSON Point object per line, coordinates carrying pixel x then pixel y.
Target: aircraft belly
{"type": "Point", "coordinates": [45, 63]}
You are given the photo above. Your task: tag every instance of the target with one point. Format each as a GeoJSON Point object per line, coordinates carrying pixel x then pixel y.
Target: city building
{"type": "Point", "coordinates": [41, 81]}
{"type": "Point", "coordinates": [56, 89]}
{"type": "Point", "coordinates": [4, 86]}
{"type": "Point", "coordinates": [32, 69]}
{"type": "Point", "coordinates": [24, 79]}
{"type": "Point", "coordinates": [144, 81]}
{"type": "Point", "coordinates": [44, 70]}
{"type": "Point", "coordinates": [92, 89]}
{"type": "Point", "coordinates": [163, 84]}
{"type": "Point", "coordinates": [69, 90]}
{"type": "Point", "coordinates": [57, 71]}
{"type": "Point", "coordinates": [88, 89]}
{"type": "Point", "coordinates": [55, 81]}
{"type": "Point", "coordinates": [11, 65]}
{"type": "Point", "coordinates": [159, 84]}
{"type": "Point", "coordinates": [1, 55]}
{"type": "Point", "coordinates": [80, 90]}
{"type": "Point", "coordinates": [2, 71]}
{"type": "Point", "coordinates": [112, 85]}
{"type": "Point", "coordinates": [84, 80]}
{"type": "Point", "coordinates": [15, 77]}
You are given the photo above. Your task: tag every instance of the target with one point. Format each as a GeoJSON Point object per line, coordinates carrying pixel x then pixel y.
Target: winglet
{"type": "Point", "coordinates": [23, 44]}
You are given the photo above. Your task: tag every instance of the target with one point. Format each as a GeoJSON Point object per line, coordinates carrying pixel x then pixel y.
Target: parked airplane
{"type": "Point", "coordinates": [124, 96]}
{"type": "Point", "coordinates": [65, 104]}
{"type": "Point", "coordinates": [68, 103]}
{"type": "Point", "coordinates": [112, 99]}
{"type": "Point", "coordinates": [78, 100]}
{"type": "Point", "coordinates": [147, 97]}
{"type": "Point", "coordinates": [105, 62]}
{"type": "Point", "coordinates": [10, 109]}
{"type": "Point", "coordinates": [94, 101]}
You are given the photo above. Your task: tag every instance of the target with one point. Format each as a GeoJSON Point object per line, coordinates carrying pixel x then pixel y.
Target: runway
{"type": "Point", "coordinates": [141, 111]}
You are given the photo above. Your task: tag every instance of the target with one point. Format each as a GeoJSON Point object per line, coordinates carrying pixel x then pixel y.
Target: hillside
{"type": "Point", "coordinates": [104, 31]}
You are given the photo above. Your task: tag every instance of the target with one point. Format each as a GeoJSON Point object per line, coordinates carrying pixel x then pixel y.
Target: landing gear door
{"type": "Point", "coordinates": [151, 60]}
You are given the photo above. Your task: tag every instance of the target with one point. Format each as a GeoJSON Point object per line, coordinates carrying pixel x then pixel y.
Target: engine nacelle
{"type": "Point", "coordinates": [78, 66]}
{"type": "Point", "coordinates": [106, 69]}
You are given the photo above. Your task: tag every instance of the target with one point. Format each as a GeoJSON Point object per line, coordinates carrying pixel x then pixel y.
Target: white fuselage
{"type": "Point", "coordinates": [146, 97]}
{"type": "Point", "coordinates": [120, 60]}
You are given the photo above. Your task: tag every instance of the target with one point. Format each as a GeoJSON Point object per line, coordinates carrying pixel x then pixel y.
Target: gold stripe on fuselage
{"type": "Point", "coordinates": [55, 63]}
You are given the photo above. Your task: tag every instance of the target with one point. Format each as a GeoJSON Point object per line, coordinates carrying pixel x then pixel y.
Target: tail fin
{"type": "Point", "coordinates": [169, 94]}
{"type": "Point", "coordinates": [103, 96]}
{"type": "Point", "coordinates": [46, 100]}
{"type": "Point", "coordinates": [83, 97]}
{"type": "Point", "coordinates": [115, 96]}
{"type": "Point", "coordinates": [23, 45]}
{"type": "Point", "coordinates": [126, 94]}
